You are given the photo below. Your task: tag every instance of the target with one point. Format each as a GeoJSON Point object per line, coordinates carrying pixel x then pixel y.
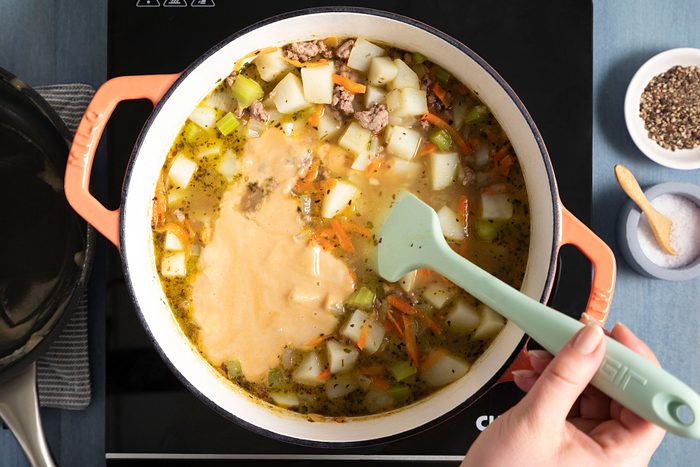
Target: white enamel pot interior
{"type": "Point", "coordinates": [171, 113]}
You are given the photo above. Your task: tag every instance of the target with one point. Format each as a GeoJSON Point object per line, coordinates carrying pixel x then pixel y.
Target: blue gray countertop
{"type": "Point", "coordinates": [60, 41]}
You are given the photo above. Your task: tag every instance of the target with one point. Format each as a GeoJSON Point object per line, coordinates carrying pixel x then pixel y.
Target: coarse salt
{"type": "Point", "coordinates": [685, 233]}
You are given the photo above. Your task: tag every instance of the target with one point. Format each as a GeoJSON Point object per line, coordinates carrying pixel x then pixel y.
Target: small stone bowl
{"type": "Point", "coordinates": [628, 237]}
{"type": "Point", "coordinates": [685, 159]}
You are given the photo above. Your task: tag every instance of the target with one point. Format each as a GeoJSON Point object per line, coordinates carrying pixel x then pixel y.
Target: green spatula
{"type": "Point", "coordinates": [411, 238]}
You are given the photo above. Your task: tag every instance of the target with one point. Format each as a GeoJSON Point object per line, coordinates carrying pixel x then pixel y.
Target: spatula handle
{"type": "Point", "coordinates": [636, 383]}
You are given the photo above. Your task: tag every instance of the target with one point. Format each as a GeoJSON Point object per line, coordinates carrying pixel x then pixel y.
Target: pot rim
{"type": "Point", "coordinates": [554, 194]}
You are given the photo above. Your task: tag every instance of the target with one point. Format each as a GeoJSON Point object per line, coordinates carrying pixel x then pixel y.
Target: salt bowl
{"type": "Point", "coordinates": [680, 202]}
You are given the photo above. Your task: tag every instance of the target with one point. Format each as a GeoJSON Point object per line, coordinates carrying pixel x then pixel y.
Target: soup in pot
{"type": "Point", "coordinates": [267, 213]}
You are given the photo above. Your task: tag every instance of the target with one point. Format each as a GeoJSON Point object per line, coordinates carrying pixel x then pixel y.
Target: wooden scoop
{"type": "Point", "coordinates": [660, 224]}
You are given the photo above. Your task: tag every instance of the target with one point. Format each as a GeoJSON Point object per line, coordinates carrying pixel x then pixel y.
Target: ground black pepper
{"type": "Point", "coordinates": [670, 108]}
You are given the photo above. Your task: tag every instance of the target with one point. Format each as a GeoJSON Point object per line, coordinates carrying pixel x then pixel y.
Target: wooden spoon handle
{"type": "Point", "coordinates": [630, 186]}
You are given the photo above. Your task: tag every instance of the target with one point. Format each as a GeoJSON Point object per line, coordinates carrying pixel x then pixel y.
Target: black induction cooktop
{"type": "Point", "coordinates": [543, 49]}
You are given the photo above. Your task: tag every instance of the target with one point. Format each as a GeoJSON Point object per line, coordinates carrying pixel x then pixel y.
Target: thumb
{"type": "Point", "coordinates": [565, 378]}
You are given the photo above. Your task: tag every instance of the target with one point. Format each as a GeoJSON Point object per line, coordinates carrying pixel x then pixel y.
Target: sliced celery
{"type": "Point", "coordinates": [419, 57]}
{"type": "Point", "coordinates": [227, 123]}
{"type": "Point", "coordinates": [362, 298]}
{"type": "Point", "coordinates": [233, 369]}
{"type": "Point", "coordinates": [399, 393]}
{"type": "Point", "coordinates": [487, 229]}
{"type": "Point", "coordinates": [477, 114]}
{"type": "Point", "coordinates": [246, 91]}
{"type": "Point", "coordinates": [276, 379]}
{"type": "Point", "coordinates": [441, 139]}
{"type": "Point", "coordinates": [191, 132]}
{"type": "Point", "coordinates": [402, 370]}
{"type": "Point", "coordinates": [443, 76]}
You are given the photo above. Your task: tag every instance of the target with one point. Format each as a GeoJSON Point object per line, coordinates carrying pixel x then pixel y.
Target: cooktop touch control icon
{"type": "Point", "coordinates": [175, 3]}
{"type": "Point", "coordinates": [148, 3]}
{"type": "Point", "coordinates": [203, 3]}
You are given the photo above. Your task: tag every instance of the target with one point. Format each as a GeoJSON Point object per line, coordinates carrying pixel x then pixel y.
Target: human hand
{"type": "Point", "coordinates": [564, 421]}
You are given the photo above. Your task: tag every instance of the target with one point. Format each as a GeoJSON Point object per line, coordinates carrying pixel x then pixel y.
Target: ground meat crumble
{"type": "Point", "coordinates": [374, 119]}
{"type": "Point", "coordinates": [342, 100]}
{"type": "Point", "coordinates": [305, 51]}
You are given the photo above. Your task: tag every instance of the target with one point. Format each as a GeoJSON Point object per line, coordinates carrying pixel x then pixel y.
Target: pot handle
{"type": "Point", "coordinates": [575, 232]}
{"type": "Point", "coordinates": [87, 137]}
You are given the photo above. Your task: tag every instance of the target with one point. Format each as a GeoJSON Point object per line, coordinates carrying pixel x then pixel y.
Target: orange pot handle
{"type": "Point", "coordinates": [575, 232]}
{"type": "Point", "coordinates": [87, 137]}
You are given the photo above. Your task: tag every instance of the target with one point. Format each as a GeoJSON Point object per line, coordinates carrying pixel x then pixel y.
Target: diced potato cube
{"type": "Point", "coordinates": [496, 206]}
{"type": "Point", "coordinates": [362, 53]}
{"type": "Point", "coordinates": [308, 370]}
{"type": "Point", "coordinates": [222, 100]}
{"type": "Point", "coordinates": [352, 328]}
{"type": "Point", "coordinates": [318, 83]}
{"type": "Point", "coordinates": [361, 162]}
{"type": "Point", "coordinates": [375, 336]}
{"type": "Point", "coordinates": [340, 357]}
{"type": "Point", "coordinates": [204, 117]}
{"type": "Point", "coordinates": [339, 198]}
{"type": "Point", "coordinates": [443, 169]}
{"type": "Point", "coordinates": [341, 385]}
{"type": "Point", "coordinates": [327, 126]}
{"type": "Point", "coordinates": [446, 369]}
{"type": "Point", "coordinates": [285, 399]}
{"type": "Point", "coordinates": [408, 282]}
{"type": "Point", "coordinates": [181, 170]}
{"type": "Point", "coordinates": [289, 95]}
{"type": "Point", "coordinates": [381, 71]}
{"type": "Point", "coordinates": [490, 323]}
{"type": "Point", "coordinates": [407, 102]}
{"type": "Point", "coordinates": [481, 156]}
{"type": "Point", "coordinates": [374, 95]}
{"type": "Point", "coordinates": [228, 165]}
{"type": "Point", "coordinates": [172, 242]}
{"type": "Point", "coordinates": [173, 265]}
{"type": "Point", "coordinates": [207, 150]}
{"type": "Point", "coordinates": [438, 294]}
{"type": "Point", "coordinates": [463, 318]}
{"type": "Point", "coordinates": [402, 142]}
{"type": "Point", "coordinates": [405, 169]}
{"type": "Point", "coordinates": [271, 65]}
{"type": "Point", "coordinates": [355, 139]}
{"type": "Point", "coordinates": [452, 227]}
{"type": "Point", "coordinates": [405, 77]}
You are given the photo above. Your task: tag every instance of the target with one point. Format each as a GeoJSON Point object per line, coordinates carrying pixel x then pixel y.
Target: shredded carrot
{"type": "Point", "coordinates": [461, 89]}
{"type": "Point", "coordinates": [372, 370]}
{"type": "Point", "coordinates": [299, 64]}
{"type": "Point", "coordinates": [393, 321]}
{"type": "Point", "coordinates": [349, 85]}
{"type": "Point", "coordinates": [353, 275]}
{"type": "Point", "coordinates": [362, 338]}
{"type": "Point", "coordinates": [342, 235]}
{"type": "Point", "coordinates": [160, 203]}
{"type": "Point", "coordinates": [426, 149]}
{"type": "Point", "coordinates": [239, 63]}
{"type": "Point", "coordinates": [497, 188]}
{"type": "Point", "coordinates": [352, 227]}
{"type": "Point", "coordinates": [463, 210]}
{"type": "Point", "coordinates": [302, 186]}
{"type": "Point", "coordinates": [401, 305]}
{"type": "Point", "coordinates": [441, 93]}
{"type": "Point", "coordinates": [424, 273]}
{"type": "Point", "coordinates": [503, 166]}
{"type": "Point", "coordinates": [374, 166]}
{"type": "Point", "coordinates": [474, 143]}
{"type": "Point", "coordinates": [379, 382]}
{"type": "Point", "coordinates": [317, 340]}
{"type": "Point", "coordinates": [312, 173]}
{"type": "Point", "coordinates": [456, 137]}
{"type": "Point", "coordinates": [180, 232]}
{"type": "Point", "coordinates": [410, 339]}
{"type": "Point", "coordinates": [501, 153]}
{"type": "Point", "coordinates": [328, 184]}
{"type": "Point", "coordinates": [324, 375]}
{"type": "Point", "coordinates": [433, 358]}
{"type": "Point", "coordinates": [315, 117]}
{"type": "Point", "coordinates": [325, 244]}
{"type": "Point", "coordinates": [428, 321]}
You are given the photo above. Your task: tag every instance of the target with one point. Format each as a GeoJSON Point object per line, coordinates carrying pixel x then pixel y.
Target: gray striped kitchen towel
{"type": "Point", "coordinates": [63, 372]}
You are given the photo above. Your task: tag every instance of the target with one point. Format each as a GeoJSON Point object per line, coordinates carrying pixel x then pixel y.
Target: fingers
{"type": "Point", "coordinates": [623, 335]}
{"type": "Point", "coordinates": [565, 378]}
{"type": "Point", "coordinates": [525, 379]}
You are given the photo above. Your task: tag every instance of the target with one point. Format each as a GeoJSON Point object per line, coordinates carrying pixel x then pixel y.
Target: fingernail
{"type": "Point", "coordinates": [588, 339]}
{"type": "Point", "coordinates": [524, 374]}
{"type": "Point", "coordinates": [586, 318]}
{"type": "Point", "coordinates": [539, 354]}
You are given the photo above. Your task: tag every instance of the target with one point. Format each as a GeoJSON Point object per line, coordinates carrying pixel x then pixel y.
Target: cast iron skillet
{"type": "Point", "coordinates": [45, 253]}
